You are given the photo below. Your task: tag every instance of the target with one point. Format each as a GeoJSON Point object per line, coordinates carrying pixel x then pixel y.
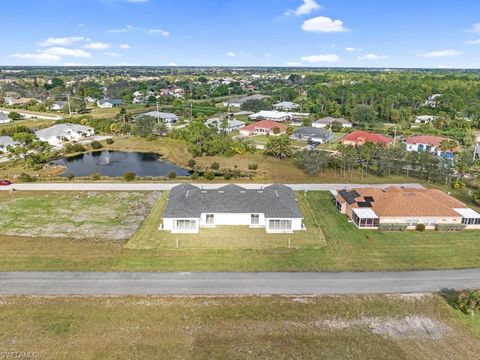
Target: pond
{"type": "Point", "coordinates": [117, 163]}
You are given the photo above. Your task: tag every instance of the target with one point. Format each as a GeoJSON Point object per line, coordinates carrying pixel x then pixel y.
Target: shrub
{"type": "Point", "coordinates": [252, 166]}
{"type": "Point", "coordinates": [194, 176]}
{"type": "Point", "coordinates": [95, 145]}
{"type": "Point", "coordinates": [392, 227]}
{"type": "Point", "coordinates": [70, 176]}
{"type": "Point", "coordinates": [227, 175]}
{"type": "Point", "coordinates": [109, 141]}
{"type": "Point", "coordinates": [95, 176]}
{"type": "Point", "coordinates": [129, 176]}
{"type": "Point", "coordinates": [209, 175]}
{"type": "Point", "coordinates": [468, 301]}
{"type": "Point", "coordinates": [215, 166]}
{"type": "Point", "coordinates": [191, 163]}
{"type": "Point", "coordinates": [172, 175]}
{"type": "Point", "coordinates": [420, 227]}
{"type": "Point", "coordinates": [24, 177]}
{"type": "Point", "coordinates": [450, 227]}
{"type": "Point", "coordinates": [73, 148]}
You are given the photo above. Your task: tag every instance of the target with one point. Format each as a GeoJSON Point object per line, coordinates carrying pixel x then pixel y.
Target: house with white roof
{"type": "Point", "coordinates": [273, 208]}
{"type": "Point", "coordinates": [274, 115]}
{"type": "Point", "coordinates": [424, 119]}
{"type": "Point", "coordinates": [58, 105]}
{"type": "Point", "coordinates": [226, 125]}
{"type": "Point", "coordinates": [4, 119]}
{"type": "Point", "coordinates": [432, 100]}
{"type": "Point", "coordinates": [238, 102]}
{"type": "Point", "coordinates": [104, 104]}
{"type": "Point", "coordinates": [5, 142]}
{"type": "Point", "coordinates": [328, 121]}
{"type": "Point", "coordinates": [57, 135]}
{"type": "Point", "coordinates": [168, 118]}
{"type": "Point", "coordinates": [286, 106]}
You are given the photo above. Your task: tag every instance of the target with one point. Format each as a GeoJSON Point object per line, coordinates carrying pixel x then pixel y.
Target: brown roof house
{"type": "Point", "coordinates": [370, 208]}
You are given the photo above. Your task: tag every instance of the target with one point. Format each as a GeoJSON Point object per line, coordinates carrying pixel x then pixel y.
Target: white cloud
{"type": "Point", "coordinates": [61, 51]}
{"type": "Point", "coordinates": [124, 46]}
{"type": "Point", "coordinates": [61, 41]}
{"type": "Point", "coordinates": [157, 32]}
{"type": "Point", "coordinates": [372, 56]}
{"type": "Point", "coordinates": [123, 30]}
{"type": "Point", "coordinates": [97, 46]}
{"type": "Point", "coordinates": [323, 24]}
{"type": "Point", "coordinates": [172, 64]}
{"type": "Point", "coordinates": [113, 54]}
{"type": "Point", "coordinates": [321, 58]}
{"type": "Point", "coordinates": [306, 8]}
{"type": "Point", "coordinates": [42, 57]}
{"type": "Point", "coordinates": [441, 53]}
{"type": "Point", "coordinates": [475, 28]}
{"type": "Point", "coordinates": [352, 49]}
{"type": "Point", "coordinates": [231, 54]}
{"type": "Point", "coordinates": [473, 42]}
{"type": "Point", "coordinates": [294, 63]}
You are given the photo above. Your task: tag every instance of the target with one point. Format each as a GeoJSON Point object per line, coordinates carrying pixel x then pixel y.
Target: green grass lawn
{"type": "Point", "coordinates": [150, 327]}
{"type": "Point", "coordinates": [347, 249]}
{"type": "Point", "coordinates": [225, 237]}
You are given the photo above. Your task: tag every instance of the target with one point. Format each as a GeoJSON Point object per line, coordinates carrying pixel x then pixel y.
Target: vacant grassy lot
{"type": "Point", "coordinates": [91, 215]}
{"type": "Point", "coordinates": [225, 237]}
{"type": "Point", "coordinates": [346, 249]}
{"type": "Point", "coordinates": [374, 327]}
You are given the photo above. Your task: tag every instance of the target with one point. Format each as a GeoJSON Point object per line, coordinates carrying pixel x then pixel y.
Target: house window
{"type": "Point", "coordinates": [338, 205]}
{"type": "Point", "coordinates": [210, 219]}
{"type": "Point", "coordinates": [473, 221]}
{"type": "Point", "coordinates": [255, 219]}
{"type": "Point", "coordinates": [185, 224]}
{"type": "Point", "coordinates": [280, 224]}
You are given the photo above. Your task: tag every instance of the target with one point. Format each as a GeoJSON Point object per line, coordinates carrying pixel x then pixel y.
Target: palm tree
{"type": "Point", "coordinates": [278, 147]}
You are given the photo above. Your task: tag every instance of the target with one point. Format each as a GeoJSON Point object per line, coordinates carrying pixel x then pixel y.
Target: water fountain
{"type": "Point", "coordinates": [106, 158]}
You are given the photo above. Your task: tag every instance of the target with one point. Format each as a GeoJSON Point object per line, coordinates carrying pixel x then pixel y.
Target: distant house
{"type": "Point", "coordinates": [56, 135]}
{"type": "Point", "coordinates": [137, 94]}
{"type": "Point", "coordinates": [168, 118]}
{"type": "Point", "coordinates": [360, 137]}
{"type": "Point", "coordinates": [10, 101]}
{"type": "Point", "coordinates": [4, 119]}
{"type": "Point", "coordinates": [273, 208]}
{"type": "Point", "coordinates": [424, 119]}
{"type": "Point", "coordinates": [238, 102]}
{"type": "Point", "coordinates": [90, 99]}
{"type": "Point", "coordinates": [264, 127]}
{"type": "Point", "coordinates": [432, 100]}
{"type": "Point", "coordinates": [59, 105]}
{"type": "Point", "coordinates": [327, 121]}
{"type": "Point", "coordinates": [227, 125]}
{"type": "Point", "coordinates": [312, 134]}
{"type": "Point", "coordinates": [428, 143]}
{"type": "Point", "coordinates": [372, 207]}
{"type": "Point", "coordinates": [109, 103]}
{"type": "Point", "coordinates": [5, 141]}
{"type": "Point", "coordinates": [277, 116]}
{"type": "Point", "coordinates": [286, 106]}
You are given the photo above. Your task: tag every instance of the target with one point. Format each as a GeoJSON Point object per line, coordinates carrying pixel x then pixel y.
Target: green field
{"type": "Point", "coordinates": [226, 237]}
{"type": "Point", "coordinates": [363, 327]}
{"type": "Point", "coordinates": [347, 248]}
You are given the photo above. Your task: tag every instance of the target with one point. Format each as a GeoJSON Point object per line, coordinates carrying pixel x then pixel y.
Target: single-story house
{"type": "Point", "coordinates": [167, 118]}
{"type": "Point", "coordinates": [58, 105]}
{"type": "Point", "coordinates": [4, 119]}
{"type": "Point", "coordinates": [264, 127]}
{"type": "Point", "coordinates": [109, 103]}
{"type": "Point", "coordinates": [271, 115]}
{"type": "Point", "coordinates": [56, 135]}
{"type": "Point", "coordinates": [5, 141]}
{"type": "Point", "coordinates": [424, 119]}
{"type": "Point", "coordinates": [286, 106]}
{"type": "Point", "coordinates": [428, 143]}
{"type": "Point", "coordinates": [371, 207]}
{"type": "Point", "coordinates": [10, 101]}
{"type": "Point", "coordinates": [432, 100]}
{"type": "Point", "coordinates": [227, 125]}
{"type": "Point", "coordinates": [273, 208]}
{"type": "Point", "coordinates": [327, 121]}
{"type": "Point", "coordinates": [360, 137]}
{"type": "Point", "coordinates": [238, 102]}
{"type": "Point", "coordinates": [312, 134]}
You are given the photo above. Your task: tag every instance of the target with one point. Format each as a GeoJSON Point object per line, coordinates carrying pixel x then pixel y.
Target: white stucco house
{"type": "Point", "coordinates": [168, 118]}
{"type": "Point", "coordinates": [277, 116]}
{"type": "Point", "coordinates": [428, 143]}
{"type": "Point", "coordinates": [286, 106]}
{"type": "Point", "coordinates": [104, 104]}
{"type": "Point", "coordinates": [226, 125]}
{"type": "Point", "coordinates": [424, 119]}
{"type": "Point", "coordinates": [4, 119]}
{"type": "Point", "coordinates": [273, 208]}
{"type": "Point", "coordinates": [5, 142]}
{"type": "Point", "coordinates": [59, 105]}
{"type": "Point", "coordinates": [57, 135]}
{"type": "Point", "coordinates": [328, 121]}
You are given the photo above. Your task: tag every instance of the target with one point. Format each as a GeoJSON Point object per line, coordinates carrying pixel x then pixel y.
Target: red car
{"type": "Point", "coordinates": [5, 182]}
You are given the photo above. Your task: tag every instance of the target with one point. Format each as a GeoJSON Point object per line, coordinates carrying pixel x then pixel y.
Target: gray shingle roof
{"type": "Point", "coordinates": [329, 120]}
{"type": "Point", "coordinates": [160, 115]}
{"type": "Point", "coordinates": [312, 132]}
{"type": "Point", "coordinates": [275, 201]}
{"type": "Point", "coordinates": [5, 141]}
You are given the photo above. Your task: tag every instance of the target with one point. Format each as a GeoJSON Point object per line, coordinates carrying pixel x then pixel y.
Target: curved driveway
{"type": "Point", "coordinates": [54, 283]}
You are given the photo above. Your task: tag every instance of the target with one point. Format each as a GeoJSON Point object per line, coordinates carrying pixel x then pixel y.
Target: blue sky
{"type": "Point", "coordinates": [359, 33]}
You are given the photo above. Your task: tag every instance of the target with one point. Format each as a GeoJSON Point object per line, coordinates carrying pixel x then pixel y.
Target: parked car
{"type": "Point", "coordinates": [5, 182]}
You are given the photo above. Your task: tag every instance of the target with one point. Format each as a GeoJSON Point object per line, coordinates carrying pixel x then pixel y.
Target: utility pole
{"type": "Point", "coordinates": [69, 106]}
{"type": "Point", "coordinates": [395, 136]}
{"type": "Point", "coordinates": [158, 113]}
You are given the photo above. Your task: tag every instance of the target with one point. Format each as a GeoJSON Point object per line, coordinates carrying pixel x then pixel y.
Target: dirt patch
{"type": "Point", "coordinates": [416, 326]}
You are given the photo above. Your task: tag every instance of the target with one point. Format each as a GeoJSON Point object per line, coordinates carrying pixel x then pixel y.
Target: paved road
{"type": "Point", "coordinates": [98, 186]}
{"type": "Point", "coordinates": [51, 283]}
